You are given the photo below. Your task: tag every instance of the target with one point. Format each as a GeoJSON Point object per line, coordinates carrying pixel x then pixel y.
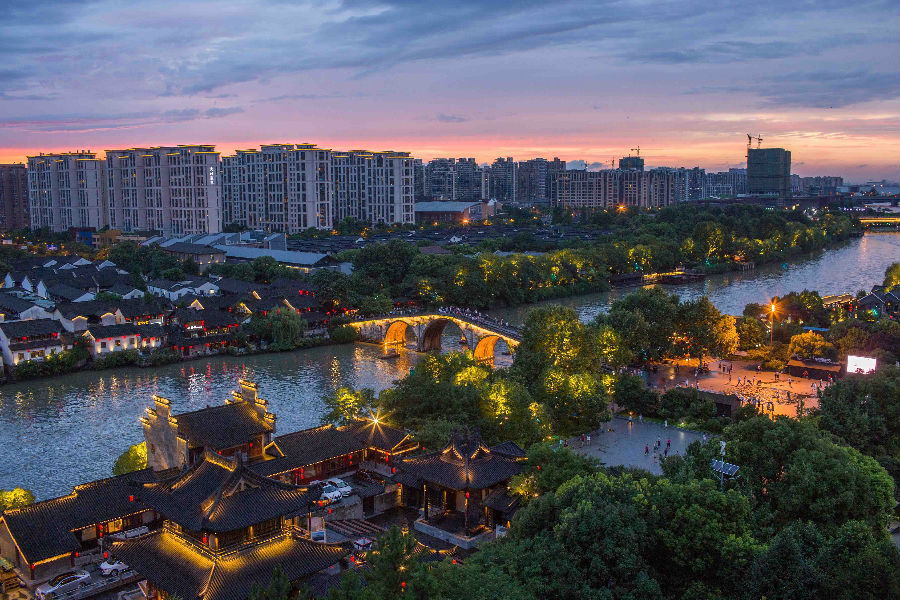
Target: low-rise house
{"type": "Point", "coordinates": [34, 339]}
{"type": "Point", "coordinates": [48, 537]}
{"type": "Point", "coordinates": [242, 427]}
{"type": "Point", "coordinates": [881, 303]}
{"type": "Point", "coordinates": [14, 308]}
{"type": "Point", "coordinates": [61, 292]}
{"type": "Point", "coordinates": [142, 312]}
{"type": "Point", "coordinates": [76, 316]}
{"type": "Point", "coordinates": [200, 254]}
{"type": "Point", "coordinates": [306, 262]}
{"type": "Point", "coordinates": [106, 339]}
{"type": "Point", "coordinates": [173, 290]}
{"type": "Point", "coordinates": [126, 291]}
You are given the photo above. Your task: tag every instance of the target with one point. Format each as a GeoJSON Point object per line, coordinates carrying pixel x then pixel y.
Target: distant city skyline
{"type": "Point", "coordinates": [578, 80]}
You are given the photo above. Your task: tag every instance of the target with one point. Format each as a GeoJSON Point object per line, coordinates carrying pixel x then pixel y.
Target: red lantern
{"type": "Point", "coordinates": [467, 494]}
{"type": "Point", "coordinates": [204, 540]}
{"type": "Point", "coordinates": [131, 498]}
{"type": "Point", "coordinates": [106, 555]}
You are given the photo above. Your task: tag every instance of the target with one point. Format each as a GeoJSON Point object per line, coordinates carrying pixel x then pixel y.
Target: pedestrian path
{"type": "Point", "coordinates": [621, 442]}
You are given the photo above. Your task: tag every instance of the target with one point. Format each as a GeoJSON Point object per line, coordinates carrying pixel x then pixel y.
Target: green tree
{"type": "Point", "coordinates": [787, 569]}
{"type": "Point", "coordinates": [892, 276]}
{"type": "Point", "coordinates": [283, 328]}
{"type": "Point", "coordinates": [645, 322]}
{"type": "Point", "coordinates": [751, 333]}
{"type": "Point", "coordinates": [396, 570]}
{"type": "Point", "coordinates": [15, 498]}
{"type": "Point", "coordinates": [547, 467]}
{"type": "Point", "coordinates": [133, 459]}
{"type": "Point", "coordinates": [346, 405]}
{"type": "Point", "coordinates": [809, 345]}
{"type": "Point", "coordinates": [703, 330]}
{"type": "Point", "coordinates": [279, 588]}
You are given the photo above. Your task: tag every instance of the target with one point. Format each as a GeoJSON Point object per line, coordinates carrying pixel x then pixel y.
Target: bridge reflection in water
{"type": "Point", "coordinates": [481, 335]}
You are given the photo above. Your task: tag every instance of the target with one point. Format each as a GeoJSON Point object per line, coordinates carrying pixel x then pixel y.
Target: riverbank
{"type": "Point", "coordinates": [856, 264]}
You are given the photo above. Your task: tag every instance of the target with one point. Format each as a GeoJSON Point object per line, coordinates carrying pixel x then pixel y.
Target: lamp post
{"type": "Point", "coordinates": [772, 332]}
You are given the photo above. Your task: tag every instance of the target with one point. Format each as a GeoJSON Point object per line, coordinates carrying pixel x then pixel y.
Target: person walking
{"type": "Point", "coordinates": [667, 423]}
{"type": "Point", "coordinates": [640, 418]}
{"type": "Point", "coordinates": [646, 449]}
{"type": "Point", "coordinates": [668, 443]}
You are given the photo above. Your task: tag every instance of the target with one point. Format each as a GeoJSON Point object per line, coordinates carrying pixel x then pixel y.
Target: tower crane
{"type": "Point", "coordinates": [750, 139]}
{"type": "Point", "coordinates": [637, 150]}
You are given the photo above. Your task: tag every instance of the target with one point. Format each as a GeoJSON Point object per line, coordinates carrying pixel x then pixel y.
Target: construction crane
{"type": "Point", "coordinates": [750, 139]}
{"type": "Point", "coordinates": [638, 150]}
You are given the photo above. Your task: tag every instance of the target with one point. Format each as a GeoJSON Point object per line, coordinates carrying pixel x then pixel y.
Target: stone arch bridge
{"type": "Point", "coordinates": [481, 335]}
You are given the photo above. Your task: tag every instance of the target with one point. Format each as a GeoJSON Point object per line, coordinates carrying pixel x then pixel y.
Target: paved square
{"type": "Point", "coordinates": [622, 443]}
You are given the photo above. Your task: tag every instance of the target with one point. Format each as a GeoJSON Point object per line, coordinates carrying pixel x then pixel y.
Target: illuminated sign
{"type": "Point", "coordinates": [860, 364]}
{"type": "Point", "coordinates": [212, 176]}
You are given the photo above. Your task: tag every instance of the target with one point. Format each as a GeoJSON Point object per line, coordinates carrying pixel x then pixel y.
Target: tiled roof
{"type": "Point", "coordinates": [219, 494]}
{"type": "Point", "coordinates": [462, 464]}
{"type": "Point", "coordinates": [175, 567]}
{"type": "Point", "coordinates": [220, 427]}
{"type": "Point", "coordinates": [14, 304]}
{"type": "Point", "coordinates": [308, 447]}
{"type": "Point", "coordinates": [45, 529]}
{"type": "Point", "coordinates": [106, 331]}
{"type": "Point", "coordinates": [65, 291]}
{"type": "Point", "coordinates": [92, 308]}
{"type": "Point", "coordinates": [30, 327]}
{"type": "Point", "coordinates": [380, 436]}
{"type": "Point", "coordinates": [187, 248]}
{"type": "Point", "coordinates": [509, 449]}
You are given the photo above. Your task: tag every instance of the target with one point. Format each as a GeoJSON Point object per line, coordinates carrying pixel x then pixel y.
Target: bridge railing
{"type": "Point", "coordinates": [487, 322]}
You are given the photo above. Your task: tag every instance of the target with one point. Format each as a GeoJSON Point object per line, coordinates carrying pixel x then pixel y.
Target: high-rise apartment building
{"type": "Point", "coordinates": [769, 172]}
{"type": "Point", "coordinates": [732, 182]}
{"type": "Point", "coordinates": [376, 187]}
{"type": "Point", "coordinates": [453, 179]}
{"type": "Point", "coordinates": [280, 187]}
{"type": "Point", "coordinates": [171, 189]}
{"type": "Point", "coordinates": [440, 179]}
{"type": "Point", "coordinates": [468, 180]}
{"type": "Point", "coordinates": [66, 190]}
{"type": "Point", "coordinates": [289, 188]}
{"type": "Point", "coordinates": [631, 163]}
{"type": "Point", "coordinates": [535, 178]}
{"type": "Point", "coordinates": [13, 197]}
{"type": "Point", "coordinates": [614, 188]}
{"type": "Point", "coordinates": [504, 180]}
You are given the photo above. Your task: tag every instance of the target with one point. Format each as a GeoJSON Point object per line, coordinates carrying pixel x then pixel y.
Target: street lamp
{"type": "Point", "coordinates": [772, 331]}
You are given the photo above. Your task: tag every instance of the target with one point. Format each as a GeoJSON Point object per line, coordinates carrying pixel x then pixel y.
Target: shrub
{"type": "Point", "coordinates": [343, 334]}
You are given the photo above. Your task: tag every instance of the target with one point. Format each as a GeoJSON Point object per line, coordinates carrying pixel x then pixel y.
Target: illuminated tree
{"type": "Point", "coordinates": [809, 345]}
{"type": "Point", "coordinates": [15, 498]}
{"type": "Point", "coordinates": [346, 405]}
{"type": "Point", "coordinates": [133, 459]}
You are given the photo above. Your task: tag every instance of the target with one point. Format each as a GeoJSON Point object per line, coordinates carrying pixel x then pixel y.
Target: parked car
{"type": "Point", "coordinates": [131, 533]}
{"type": "Point", "coordinates": [62, 583]}
{"type": "Point", "coordinates": [342, 486]}
{"type": "Point", "coordinates": [112, 567]}
{"type": "Point", "coordinates": [330, 493]}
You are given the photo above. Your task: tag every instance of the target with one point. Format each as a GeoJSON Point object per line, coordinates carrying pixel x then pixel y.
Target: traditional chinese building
{"type": "Point", "coordinates": [225, 529]}
{"type": "Point", "coordinates": [462, 488]}
{"type": "Point", "coordinates": [241, 427]}
{"type": "Point", "coordinates": [54, 535]}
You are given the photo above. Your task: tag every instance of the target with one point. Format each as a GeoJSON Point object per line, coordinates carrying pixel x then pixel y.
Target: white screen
{"type": "Point", "coordinates": [860, 363]}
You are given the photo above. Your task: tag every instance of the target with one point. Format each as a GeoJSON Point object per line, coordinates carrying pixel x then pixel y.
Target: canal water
{"type": "Point", "coordinates": [58, 432]}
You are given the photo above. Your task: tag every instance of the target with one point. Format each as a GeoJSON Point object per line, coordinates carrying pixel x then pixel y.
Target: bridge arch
{"type": "Point", "coordinates": [396, 332]}
{"type": "Point", "coordinates": [431, 335]}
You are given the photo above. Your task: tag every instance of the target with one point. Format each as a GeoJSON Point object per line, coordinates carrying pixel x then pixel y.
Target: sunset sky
{"type": "Point", "coordinates": [684, 80]}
